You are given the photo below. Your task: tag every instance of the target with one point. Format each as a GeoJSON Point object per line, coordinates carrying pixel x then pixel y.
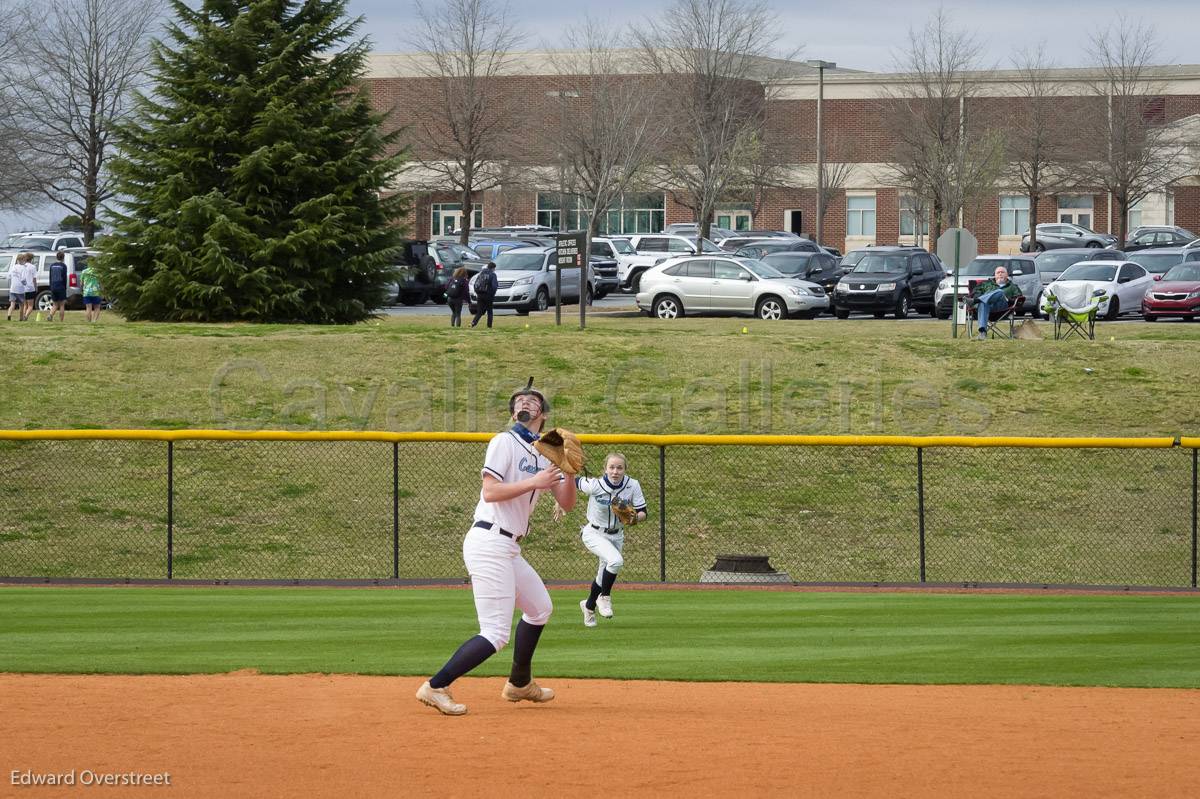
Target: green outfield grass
{"type": "Point", "coordinates": [1103, 640]}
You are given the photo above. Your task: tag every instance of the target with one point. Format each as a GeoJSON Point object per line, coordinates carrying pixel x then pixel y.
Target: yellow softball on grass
{"type": "Point", "coordinates": [526, 325]}
{"type": "Point", "coordinates": [745, 330]}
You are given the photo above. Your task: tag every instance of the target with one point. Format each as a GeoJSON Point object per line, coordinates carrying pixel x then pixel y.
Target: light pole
{"type": "Point", "coordinates": [820, 67]}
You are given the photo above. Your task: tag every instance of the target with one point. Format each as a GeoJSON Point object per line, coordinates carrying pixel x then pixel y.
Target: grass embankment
{"type": "Point", "coordinates": [324, 510]}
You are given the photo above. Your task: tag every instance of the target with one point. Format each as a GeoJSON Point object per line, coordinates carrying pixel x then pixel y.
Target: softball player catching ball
{"type": "Point", "coordinates": [604, 532]}
{"type": "Point", "coordinates": [515, 475]}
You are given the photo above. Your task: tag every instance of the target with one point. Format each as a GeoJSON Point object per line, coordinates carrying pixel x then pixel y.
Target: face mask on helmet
{"type": "Point", "coordinates": [524, 416]}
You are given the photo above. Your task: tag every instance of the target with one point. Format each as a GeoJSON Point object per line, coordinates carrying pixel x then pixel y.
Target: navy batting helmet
{"type": "Point", "coordinates": [529, 390]}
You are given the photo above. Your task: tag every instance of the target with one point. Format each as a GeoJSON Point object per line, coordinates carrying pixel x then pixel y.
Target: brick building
{"type": "Point", "coordinates": [867, 208]}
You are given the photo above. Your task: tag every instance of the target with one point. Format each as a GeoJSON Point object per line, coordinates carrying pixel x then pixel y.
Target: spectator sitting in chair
{"type": "Point", "coordinates": [993, 295]}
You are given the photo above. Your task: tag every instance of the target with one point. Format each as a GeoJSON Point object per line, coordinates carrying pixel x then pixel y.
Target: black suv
{"type": "Point", "coordinates": [425, 267]}
{"type": "Point", "coordinates": [888, 280]}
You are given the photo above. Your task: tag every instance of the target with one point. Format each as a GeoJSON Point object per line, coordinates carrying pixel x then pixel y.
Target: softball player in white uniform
{"type": "Point", "coordinates": [604, 534]}
{"type": "Point", "coordinates": [514, 476]}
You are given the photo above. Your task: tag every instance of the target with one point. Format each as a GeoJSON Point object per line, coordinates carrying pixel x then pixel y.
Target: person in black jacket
{"type": "Point", "coordinates": [58, 286]}
{"type": "Point", "coordinates": [456, 294]}
{"type": "Point", "coordinates": [483, 299]}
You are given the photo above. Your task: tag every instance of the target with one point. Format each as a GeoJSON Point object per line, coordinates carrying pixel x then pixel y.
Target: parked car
{"type": "Point", "coordinates": [816, 267]}
{"type": "Point", "coordinates": [726, 285]}
{"type": "Point", "coordinates": [76, 261]}
{"type": "Point", "coordinates": [1158, 261]}
{"type": "Point", "coordinates": [1057, 235]}
{"type": "Point", "coordinates": [1022, 270]}
{"type": "Point", "coordinates": [1177, 293]}
{"type": "Point", "coordinates": [1124, 284]}
{"type": "Point", "coordinates": [1148, 236]}
{"type": "Point", "coordinates": [888, 280]}
{"type": "Point", "coordinates": [447, 256]}
{"type": "Point", "coordinates": [1052, 263]}
{"type": "Point", "coordinates": [629, 263]}
{"type": "Point", "coordinates": [606, 275]}
{"type": "Point", "coordinates": [489, 248]}
{"type": "Point", "coordinates": [757, 248]}
{"type": "Point", "coordinates": [527, 277]}
{"type": "Point", "coordinates": [691, 229]}
{"type": "Point", "coordinates": [665, 246]}
{"type": "Point", "coordinates": [52, 240]}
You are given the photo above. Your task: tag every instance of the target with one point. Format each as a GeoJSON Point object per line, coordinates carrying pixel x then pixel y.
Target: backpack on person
{"type": "Point", "coordinates": [483, 283]}
{"type": "Point", "coordinates": [454, 289]}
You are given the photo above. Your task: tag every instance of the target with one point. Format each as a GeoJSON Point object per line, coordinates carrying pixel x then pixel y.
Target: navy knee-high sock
{"type": "Point", "coordinates": [608, 579]}
{"type": "Point", "coordinates": [474, 651]}
{"type": "Point", "coordinates": [595, 592]}
{"type": "Point", "coordinates": [524, 642]}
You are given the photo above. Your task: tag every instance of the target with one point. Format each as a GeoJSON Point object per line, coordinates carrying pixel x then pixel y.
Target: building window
{"type": "Point", "coordinates": [447, 218]}
{"type": "Point", "coordinates": [734, 217]}
{"type": "Point", "coordinates": [1014, 215]}
{"type": "Point", "coordinates": [1170, 208]}
{"type": "Point", "coordinates": [910, 211]}
{"type": "Point", "coordinates": [1075, 209]}
{"type": "Point", "coordinates": [1135, 215]}
{"type": "Point", "coordinates": [633, 213]}
{"type": "Point", "coordinates": [860, 216]}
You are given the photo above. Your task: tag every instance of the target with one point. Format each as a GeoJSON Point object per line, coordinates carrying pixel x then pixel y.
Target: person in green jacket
{"type": "Point", "coordinates": [993, 295]}
{"type": "Point", "coordinates": [90, 285]}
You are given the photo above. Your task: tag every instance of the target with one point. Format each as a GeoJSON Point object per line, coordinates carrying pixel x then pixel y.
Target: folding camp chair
{"type": "Point", "coordinates": [1001, 324]}
{"type": "Point", "coordinates": [1073, 310]}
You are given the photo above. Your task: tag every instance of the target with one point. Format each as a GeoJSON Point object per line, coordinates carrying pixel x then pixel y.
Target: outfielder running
{"type": "Point", "coordinates": [514, 476]}
{"type": "Point", "coordinates": [614, 500]}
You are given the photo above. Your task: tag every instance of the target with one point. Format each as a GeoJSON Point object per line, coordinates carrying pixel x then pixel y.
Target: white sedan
{"type": "Point", "coordinates": [1123, 283]}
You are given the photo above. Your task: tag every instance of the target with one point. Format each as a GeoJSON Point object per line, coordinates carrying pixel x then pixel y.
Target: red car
{"type": "Point", "coordinates": [1175, 293]}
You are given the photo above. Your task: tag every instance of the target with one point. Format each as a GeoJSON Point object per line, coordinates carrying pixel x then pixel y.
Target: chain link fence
{"type": "Point", "coordinates": [396, 506]}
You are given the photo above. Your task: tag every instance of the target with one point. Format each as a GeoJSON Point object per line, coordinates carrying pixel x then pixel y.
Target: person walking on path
{"type": "Point", "coordinates": [486, 286]}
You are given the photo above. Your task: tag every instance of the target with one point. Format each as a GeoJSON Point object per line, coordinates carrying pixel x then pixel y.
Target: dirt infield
{"type": "Point", "coordinates": [242, 734]}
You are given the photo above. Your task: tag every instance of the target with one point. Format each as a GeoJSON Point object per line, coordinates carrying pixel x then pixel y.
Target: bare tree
{"type": "Point", "coordinates": [1138, 151]}
{"type": "Point", "coordinates": [81, 62]}
{"type": "Point", "coordinates": [15, 188]}
{"type": "Point", "coordinates": [719, 54]}
{"type": "Point", "coordinates": [841, 154]}
{"type": "Point", "coordinates": [1038, 143]}
{"type": "Point", "coordinates": [944, 152]}
{"type": "Point", "coordinates": [463, 46]}
{"type": "Point", "coordinates": [609, 131]}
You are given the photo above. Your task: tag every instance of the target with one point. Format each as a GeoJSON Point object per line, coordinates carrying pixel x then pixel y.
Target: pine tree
{"type": "Point", "coordinates": [251, 173]}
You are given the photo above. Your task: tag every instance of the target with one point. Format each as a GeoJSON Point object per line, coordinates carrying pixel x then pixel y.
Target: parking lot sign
{"type": "Point", "coordinates": [956, 248]}
{"type": "Point", "coordinates": [570, 252]}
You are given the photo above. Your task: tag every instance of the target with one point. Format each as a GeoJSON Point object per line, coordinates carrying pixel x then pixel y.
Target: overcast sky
{"type": "Point", "coordinates": [859, 35]}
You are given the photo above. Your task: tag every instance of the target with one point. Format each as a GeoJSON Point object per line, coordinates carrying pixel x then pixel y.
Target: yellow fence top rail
{"type": "Point", "coordinates": [1161, 442]}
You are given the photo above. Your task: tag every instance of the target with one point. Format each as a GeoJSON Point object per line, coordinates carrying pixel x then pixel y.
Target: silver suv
{"type": "Point", "coordinates": [1022, 270]}
{"type": "Point", "coordinates": [52, 240]}
{"type": "Point", "coordinates": [75, 260]}
{"type": "Point", "coordinates": [526, 278]}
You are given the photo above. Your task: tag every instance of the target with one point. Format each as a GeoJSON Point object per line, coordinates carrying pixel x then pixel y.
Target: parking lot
{"type": "Point", "coordinates": [623, 303]}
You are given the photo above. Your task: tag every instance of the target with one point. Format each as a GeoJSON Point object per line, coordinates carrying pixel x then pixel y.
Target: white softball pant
{"type": "Point", "coordinates": [606, 547]}
{"type": "Point", "coordinates": [500, 580]}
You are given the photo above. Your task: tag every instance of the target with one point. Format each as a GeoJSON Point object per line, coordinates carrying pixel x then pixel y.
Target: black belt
{"type": "Point", "coordinates": [609, 530]}
{"type": "Point", "coordinates": [500, 530]}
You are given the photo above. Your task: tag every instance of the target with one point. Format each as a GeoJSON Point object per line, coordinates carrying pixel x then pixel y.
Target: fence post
{"type": "Point", "coordinates": [1194, 451]}
{"type": "Point", "coordinates": [921, 507]}
{"type": "Point", "coordinates": [395, 510]}
{"type": "Point", "coordinates": [662, 514]}
{"type": "Point", "coordinates": [170, 509]}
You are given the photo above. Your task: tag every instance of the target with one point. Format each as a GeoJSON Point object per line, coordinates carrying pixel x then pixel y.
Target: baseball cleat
{"type": "Point", "coordinates": [604, 606]}
{"type": "Point", "coordinates": [440, 700]}
{"type": "Point", "coordinates": [589, 615]}
{"type": "Point", "coordinates": [532, 692]}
